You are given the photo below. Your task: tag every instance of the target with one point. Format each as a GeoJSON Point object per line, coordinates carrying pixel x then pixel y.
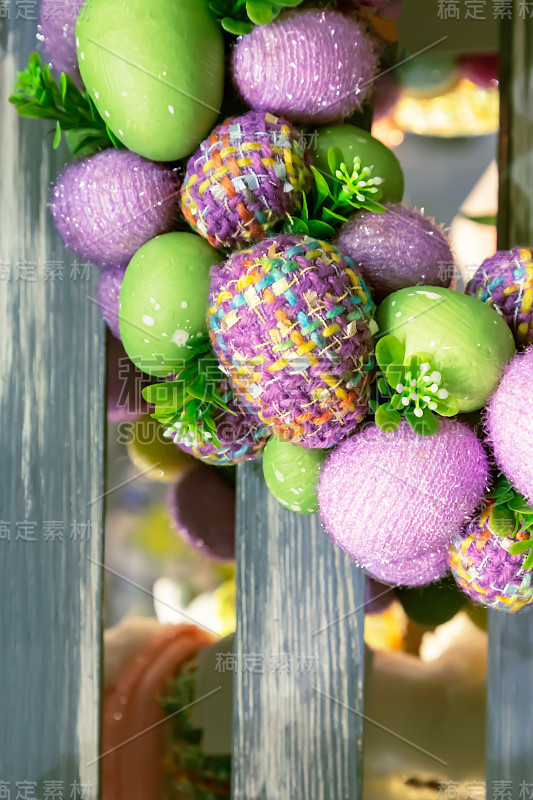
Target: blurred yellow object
{"type": "Point", "coordinates": [155, 456]}
{"type": "Point", "coordinates": [466, 110]}
{"type": "Point", "coordinates": [386, 631]}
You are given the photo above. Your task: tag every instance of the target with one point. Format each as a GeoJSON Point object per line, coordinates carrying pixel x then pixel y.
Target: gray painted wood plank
{"type": "Point", "coordinates": [52, 353]}
{"type": "Point", "coordinates": [297, 724]}
{"type": "Point", "coordinates": [510, 689]}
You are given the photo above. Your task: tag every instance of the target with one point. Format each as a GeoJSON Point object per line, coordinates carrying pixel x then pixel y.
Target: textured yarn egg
{"type": "Point", "coordinates": [311, 66]}
{"type": "Point", "coordinates": [485, 569]}
{"type": "Point", "coordinates": [291, 325]}
{"type": "Point", "coordinates": [352, 142]}
{"type": "Point", "coordinates": [106, 206]}
{"type": "Point", "coordinates": [397, 248]}
{"type": "Point", "coordinates": [291, 473]}
{"type": "Point", "coordinates": [154, 454]}
{"type": "Point", "coordinates": [249, 174]}
{"type": "Point", "coordinates": [155, 71]}
{"type": "Point", "coordinates": [109, 286]}
{"type": "Point", "coordinates": [124, 385]}
{"type": "Point", "coordinates": [241, 436]}
{"type": "Point", "coordinates": [57, 22]}
{"type": "Point", "coordinates": [510, 423]}
{"type": "Point", "coordinates": [394, 501]}
{"type": "Point", "coordinates": [505, 281]}
{"type": "Point", "coordinates": [469, 343]}
{"type": "Point", "coordinates": [202, 508]}
{"type": "Point", "coordinates": [163, 301]}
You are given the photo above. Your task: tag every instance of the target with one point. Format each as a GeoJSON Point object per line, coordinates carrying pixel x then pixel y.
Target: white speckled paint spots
{"type": "Point", "coordinates": [180, 337]}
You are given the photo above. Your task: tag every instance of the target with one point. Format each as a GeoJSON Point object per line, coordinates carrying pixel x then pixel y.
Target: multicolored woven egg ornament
{"type": "Point", "coordinates": [465, 342]}
{"type": "Point", "coordinates": [249, 174]}
{"type": "Point", "coordinates": [291, 473]}
{"type": "Point", "coordinates": [394, 501]}
{"type": "Point", "coordinates": [510, 423]}
{"type": "Point", "coordinates": [155, 71]}
{"type": "Point", "coordinates": [105, 207]}
{"type": "Point", "coordinates": [397, 248]}
{"type": "Point", "coordinates": [505, 281]}
{"type": "Point", "coordinates": [312, 66]}
{"type": "Point", "coordinates": [109, 286]}
{"type": "Point", "coordinates": [492, 557]}
{"type": "Point", "coordinates": [163, 301]}
{"type": "Point", "coordinates": [291, 324]}
{"type": "Point", "coordinates": [57, 22]}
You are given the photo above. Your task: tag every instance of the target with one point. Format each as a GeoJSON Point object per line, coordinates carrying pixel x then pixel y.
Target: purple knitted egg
{"type": "Point", "coordinates": [109, 286]}
{"type": "Point", "coordinates": [394, 501]}
{"type": "Point", "coordinates": [241, 437]}
{"type": "Point", "coordinates": [202, 508]}
{"type": "Point", "coordinates": [485, 569]}
{"type": "Point", "coordinates": [510, 423]}
{"type": "Point", "coordinates": [310, 66]}
{"type": "Point", "coordinates": [106, 206]}
{"type": "Point", "coordinates": [57, 22]}
{"type": "Point", "coordinates": [291, 325]}
{"type": "Point", "coordinates": [249, 174]}
{"type": "Point", "coordinates": [396, 249]}
{"type": "Point", "coordinates": [505, 281]}
{"type": "Point", "coordinates": [124, 385]}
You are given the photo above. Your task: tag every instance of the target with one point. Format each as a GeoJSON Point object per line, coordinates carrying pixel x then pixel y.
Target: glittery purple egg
{"type": "Point", "coordinates": [124, 385]}
{"type": "Point", "coordinates": [241, 436]}
{"type": "Point", "coordinates": [57, 22]}
{"type": "Point", "coordinates": [249, 174]}
{"type": "Point", "coordinates": [510, 423]}
{"type": "Point", "coordinates": [106, 206]}
{"type": "Point", "coordinates": [394, 501]}
{"type": "Point", "coordinates": [310, 66]}
{"type": "Point", "coordinates": [396, 249]}
{"type": "Point", "coordinates": [109, 286]}
{"type": "Point", "coordinates": [291, 325]}
{"type": "Point", "coordinates": [485, 569]}
{"type": "Point", "coordinates": [202, 508]}
{"type": "Point", "coordinates": [505, 281]}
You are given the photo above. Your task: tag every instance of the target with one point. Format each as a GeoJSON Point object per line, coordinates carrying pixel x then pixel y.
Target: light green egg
{"type": "Point", "coordinates": [291, 473]}
{"type": "Point", "coordinates": [468, 342]}
{"type": "Point", "coordinates": [163, 301]}
{"type": "Point", "coordinates": [155, 71]}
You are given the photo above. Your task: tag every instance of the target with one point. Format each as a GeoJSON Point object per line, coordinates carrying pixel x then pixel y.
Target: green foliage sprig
{"type": "Point", "coordinates": [240, 16]}
{"type": "Point", "coordinates": [190, 403]}
{"type": "Point", "coordinates": [511, 516]}
{"type": "Point", "coordinates": [413, 389]}
{"type": "Point", "coordinates": [328, 204]}
{"type": "Point", "coordinates": [37, 95]}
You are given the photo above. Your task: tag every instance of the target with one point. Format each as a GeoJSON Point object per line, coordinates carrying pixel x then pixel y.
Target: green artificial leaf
{"type": "Point", "coordinates": [387, 419]}
{"type": "Point", "coordinates": [335, 159]}
{"type": "Point", "coordinates": [527, 566]}
{"type": "Point", "coordinates": [239, 16]}
{"type": "Point", "coordinates": [389, 350]}
{"type": "Point", "coordinates": [295, 225]}
{"type": "Point", "coordinates": [328, 214]}
{"type": "Point", "coordinates": [304, 212]}
{"type": "Point", "coordinates": [448, 409]}
{"type": "Point", "coordinates": [484, 220]}
{"type": "Point", "coordinates": [383, 386]}
{"type": "Point", "coordinates": [425, 425]}
{"type": "Point", "coordinates": [373, 404]}
{"type": "Point", "coordinates": [517, 548]}
{"type": "Point", "coordinates": [259, 13]}
{"type": "Point", "coordinates": [502, 521]}
{"type": "Point", "coordinates": [236, 27]}
{"type": "Point", "coordinates": [57, 137]}
{"type": "Point", "coordinates": [519, 504]}
{"type": "Point", "coordinates": [321, 187]}
{"type": "Point", "coordinates": [320, 230]}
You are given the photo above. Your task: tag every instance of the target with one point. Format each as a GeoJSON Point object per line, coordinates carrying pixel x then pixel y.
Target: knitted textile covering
{"type": "Point", "coordinates": [246, 176]}
{"type": "Point", "coordinates": [56, 30]}
{"type": "Point", "coordinates": [486, 571]}
{"type": "Point", "coordinates": [510, 423]}
{"type": "Point", "coordinates": [396, 249]}
{"type": "Point", "coordinates": [241, 437]}
{"type": "Point", "coordinates": [394, 501]}
{"type": "Point", "coordinates": [291, 323]}
{"type": "Point", "coordinates": [310, 66]}
{"type": "Point", "coordinates": [106, 206]}
{"type": "Point", "coordinates": [505, 281]}
{"type": "Point", "coordinates": [109, 286]}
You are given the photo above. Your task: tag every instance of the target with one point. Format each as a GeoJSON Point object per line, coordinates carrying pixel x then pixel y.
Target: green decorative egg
{"type": "Point", "coordinates": [163, 301]}
{"type": "Point", "coordinates": [291, 473]}
{"type": "Point", "coordinates": [466, 341]}
{"type": "Point", "coordinates": [434, 604]}
{"type": "Point", "coordinates": [353, 142]}
{"type": "Point", "coordinates": [155, 71]}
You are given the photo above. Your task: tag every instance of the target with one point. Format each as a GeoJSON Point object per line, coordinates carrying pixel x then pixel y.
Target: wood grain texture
{"type": "Point", "coordinates": [52, 444]}
{"type": "Point", "coordinates": [510, 688]}
{"type": "Point", "coordinates": [297, 725]}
